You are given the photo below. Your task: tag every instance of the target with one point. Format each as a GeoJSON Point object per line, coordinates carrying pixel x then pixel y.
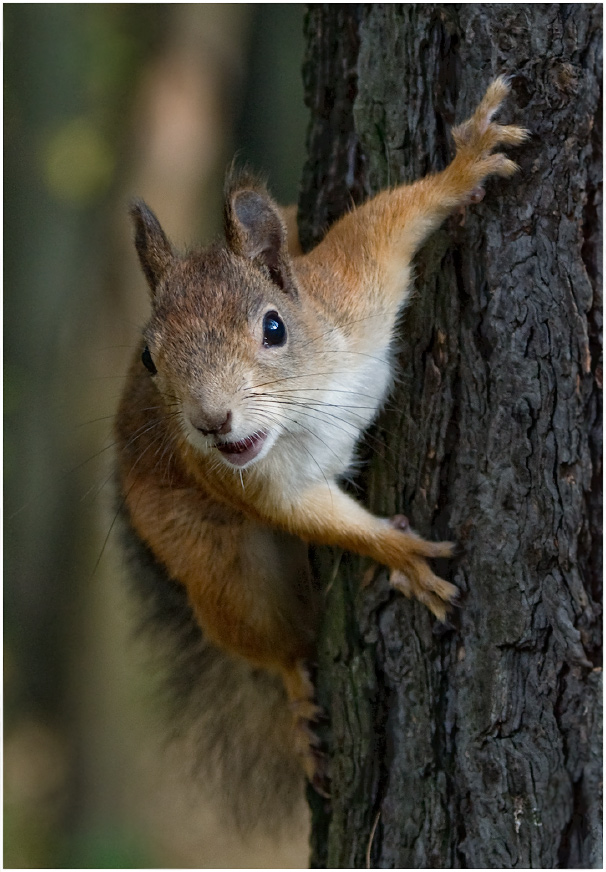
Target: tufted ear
{"type": "Point", "coordinates": [154, 250]}
{"type": "Point", "coordinates": [254, 228]}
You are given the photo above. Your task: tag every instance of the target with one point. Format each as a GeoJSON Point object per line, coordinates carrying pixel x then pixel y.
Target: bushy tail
{"type": "Point", "coordinates": [234, 717]}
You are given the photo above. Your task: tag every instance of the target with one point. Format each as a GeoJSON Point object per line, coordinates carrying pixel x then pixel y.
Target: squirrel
{"type": "Point", "coordinates": [257, 372]}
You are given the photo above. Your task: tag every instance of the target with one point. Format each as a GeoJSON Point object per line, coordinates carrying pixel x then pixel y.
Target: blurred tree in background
{"type": "Point", "coordinates": [104, 102]}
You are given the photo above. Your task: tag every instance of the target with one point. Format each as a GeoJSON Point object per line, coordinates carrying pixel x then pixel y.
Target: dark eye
{"type": "Point", "coordinates": [148, 362]}
{"type": "Point", "coordinates": [274, 331]}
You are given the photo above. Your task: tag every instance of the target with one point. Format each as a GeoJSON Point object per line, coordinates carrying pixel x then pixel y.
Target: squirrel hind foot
{"type": "Point", "coordinates": [305, 711]}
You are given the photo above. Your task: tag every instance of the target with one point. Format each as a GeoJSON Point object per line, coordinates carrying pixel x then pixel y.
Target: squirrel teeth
{"type": "Point", "coordinates": [242, 452]}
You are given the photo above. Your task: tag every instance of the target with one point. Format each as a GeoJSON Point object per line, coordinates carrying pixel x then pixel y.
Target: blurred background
{"type": "Point", "coordinates": [104, 102]}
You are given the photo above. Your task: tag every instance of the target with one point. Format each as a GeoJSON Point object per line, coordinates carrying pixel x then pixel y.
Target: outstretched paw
{"type": "Point", "coordinates": [477, 137]}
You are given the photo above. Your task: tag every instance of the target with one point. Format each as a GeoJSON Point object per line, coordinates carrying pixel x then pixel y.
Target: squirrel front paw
{"type": "Point", "coordinates": [420, 582]}
{"type": "Point", "coordinates": [431, 590]}
{"type": "Point", "coordinates": [406, 555]}
{"type": "Point", "coordinates": [477, 137]}
{"type": "Point", "coordinates": [417, 580]}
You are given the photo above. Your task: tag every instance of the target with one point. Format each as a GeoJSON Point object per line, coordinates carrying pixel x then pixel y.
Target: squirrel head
{"type": "Point", "coordinates": [227, 323]}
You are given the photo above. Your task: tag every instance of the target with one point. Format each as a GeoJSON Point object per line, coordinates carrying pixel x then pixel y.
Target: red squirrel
{"type": "Point", "coordinates": [258, 370]}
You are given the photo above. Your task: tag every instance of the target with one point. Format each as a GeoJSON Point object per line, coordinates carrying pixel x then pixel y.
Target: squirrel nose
{"type": "Point", "coordinates": [217, 426]}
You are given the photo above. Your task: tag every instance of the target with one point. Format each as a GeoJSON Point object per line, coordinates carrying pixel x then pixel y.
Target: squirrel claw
{"type": "Point", "coordinates": [438, 595]}
{"type": "Point", "coordinates": [320, 780]}
{"type": "Point", "coordinates": [318, 786]}
{"type": "Point", "coordinates": [456, 599]}
{"type": "Point", "coordinates": [320, 717]}
{"type": "Point", "coordinates": [313, 740]}
{"type": "Point", "coordinates": [316, 765]}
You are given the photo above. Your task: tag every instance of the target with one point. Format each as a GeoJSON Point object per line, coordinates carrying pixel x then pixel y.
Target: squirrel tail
{"type": "Point", "coordinates": [234, 717]}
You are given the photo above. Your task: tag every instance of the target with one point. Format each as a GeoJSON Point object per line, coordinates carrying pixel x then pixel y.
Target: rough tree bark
{"type": "Point", "coordinates": [476, 744]}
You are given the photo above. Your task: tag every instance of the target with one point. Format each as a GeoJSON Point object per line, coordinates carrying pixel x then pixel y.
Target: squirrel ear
{"type": "Point", "coordinates": [254, 228]}
{"type": "Point", "coordinates": [154, 250]}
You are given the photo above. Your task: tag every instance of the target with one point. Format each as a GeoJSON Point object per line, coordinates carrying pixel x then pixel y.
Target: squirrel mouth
{"type": "Point", "coordinates": [240, 453]}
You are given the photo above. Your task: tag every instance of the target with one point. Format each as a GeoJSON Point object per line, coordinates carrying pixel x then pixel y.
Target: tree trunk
{"type": "Point", "coordinates": [475, 744]}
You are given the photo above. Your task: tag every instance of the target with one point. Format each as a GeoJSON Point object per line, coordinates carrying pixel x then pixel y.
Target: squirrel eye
{"type": "Point", "coordinates": [274, 331]}
{"type": "Point", "coordinates": [148, 362]}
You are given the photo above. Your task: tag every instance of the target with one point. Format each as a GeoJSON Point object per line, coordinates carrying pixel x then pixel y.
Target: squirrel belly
{"type": "Point", "coordinates": [257, 372]}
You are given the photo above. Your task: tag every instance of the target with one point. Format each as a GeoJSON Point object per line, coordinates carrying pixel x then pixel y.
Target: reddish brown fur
{"type": "Point", "coordinates": [218, 533]}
